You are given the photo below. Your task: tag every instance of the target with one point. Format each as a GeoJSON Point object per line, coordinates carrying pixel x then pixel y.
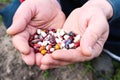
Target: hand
{"type": "Point", "coordinates": [90, 21]}
{"type": "Point", "coordinates": [30, 16]}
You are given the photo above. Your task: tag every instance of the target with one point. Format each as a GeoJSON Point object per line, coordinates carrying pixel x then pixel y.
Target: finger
{"type": "Point", "coordinates": [20, 41]}
{"type": "Point", "coordinates": [58, 21]}
{"type": "Point", "coordinates": [21, 18]}
{"type": "Point", "coordinates": [92, 41]}
{"type": "Point", "coordinates": [30, 58]}
{"type": "Point", "coordinates": [45, 67]}
{"type": "Point", "coordinates": [71, 55]}
{"type": "Point", "coordinates": [38, 58]}
{"type": "Point", "coordinates": [48, 60]}
{"type": "Point", "coordinates": [71, 24]}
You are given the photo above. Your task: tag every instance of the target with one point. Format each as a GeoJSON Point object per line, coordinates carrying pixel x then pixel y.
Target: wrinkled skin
{"type": "Point", "coordinates": [85, 21]}
{"type": "Point", "coordinates": [93, 29]}
{"type": "Point", "coordinates": [30, 16]}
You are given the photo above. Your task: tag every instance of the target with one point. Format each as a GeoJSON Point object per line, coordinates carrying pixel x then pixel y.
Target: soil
{"type": "Point", "coordinates": [13, 68]}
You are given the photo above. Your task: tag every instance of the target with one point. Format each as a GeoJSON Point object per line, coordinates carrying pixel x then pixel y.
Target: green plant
{"type": "Point", "coordinates": [71, 66]}
{"type": "Point", "coordinates": [0, 20]}
{"type": "Point", "coordinates": [116, 75]}
{"type": "Point", "coordinates": [88, 67]}
{"type": "Point", "coordinates": [46, 74]}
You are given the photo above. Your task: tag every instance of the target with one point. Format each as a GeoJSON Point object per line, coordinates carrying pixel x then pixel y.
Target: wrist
{"type": "Point", "coordinates": [104, 5]}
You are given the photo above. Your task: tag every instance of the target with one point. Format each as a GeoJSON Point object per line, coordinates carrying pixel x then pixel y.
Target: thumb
{"type": "Point", "coordinates": [21, 18]}
{"type": "Point", "coordinates": [94, 37]}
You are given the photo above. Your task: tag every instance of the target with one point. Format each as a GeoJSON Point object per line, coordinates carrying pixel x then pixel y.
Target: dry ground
{"type": "Point", "coordinates": [13, 68]}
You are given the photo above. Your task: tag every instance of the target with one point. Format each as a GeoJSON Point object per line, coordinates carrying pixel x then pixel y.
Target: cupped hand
{"type": "Point", "coordinates": [90, 21]}
{"type": "Point", "coordinates": [30, 16]}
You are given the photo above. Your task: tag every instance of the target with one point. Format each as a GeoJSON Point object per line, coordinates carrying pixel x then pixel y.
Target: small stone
{"type": "Point", "coordinates": [36, 50]}
{"type": "Point", "coordinates": [42, 48]}
{"type": "Point", "coordinates": [40, 37]}
{"type": "Point", "coordinates": [54, 30]}
{"type": "Point", "coordinates": [60, 38]}
{"type": "Point", "coordinates": [43, 52]}
{"type": "Point", "coordinates": [57, 40]}
{"type": "Point", "coordinates": [39, 31]}
{"type": "Point", "coordinates": [51, 32]}
{"type": "Point", "coordinates": [45, 30]}
{"type": "Point", "coordinates": [55, 34]}
{"type": "Point", "coordinates": [72, 45]}
{"type": "Point", "coordinates": [39, 43]}
{"type": "Point", "coordinates": [43, 34]}
{"type": "Point", "coordinates": [48, 47]}
{"type": "Point", "coordinates": [58, 32]}
{"type": "Point", "coordinates": [62, 45]}
{"type": "Point", "coordinates": [72, 38]}
{"type": "Point", "coordinates": [77, 44]}
{"type": "Point", "coordinates": [44, 43]}
{"type": "Point", "coordinates": [68, 41]}
{"type": "Point", "coordinates": [49, 40]}
{"type": "Point", "coordinates": [57, 46]}
{"type": "Point", "coordinates": [35, 41]}
{"type": "Point", "coordinates": [36, 37]}
{"type": "Point", "coordinates": [36, 45]}
{"type": "Point", "coordinates": [71, 34]}
{"type": "Point", "coordinates": [62, 32]}
{"type": "Point", "coordinates": [77, 38]}
{"type": "Point", "coordinates": [66, 36]}
{"type": "Point", "coordinates": [66, 46]}
{"type": "Point", "coordinates": [52, 49]}
{"type": "Point", "coordinates": [52, 40]}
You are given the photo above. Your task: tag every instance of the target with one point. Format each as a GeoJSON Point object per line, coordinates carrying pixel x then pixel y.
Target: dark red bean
{"type": "Point", "coordinates": [77, 44]}
{"type": "Point", "coordinates": [53, 30]}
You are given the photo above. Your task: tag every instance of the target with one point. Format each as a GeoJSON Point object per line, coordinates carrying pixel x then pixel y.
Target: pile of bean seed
{"type": "Point", "coordinates": [49, 40]}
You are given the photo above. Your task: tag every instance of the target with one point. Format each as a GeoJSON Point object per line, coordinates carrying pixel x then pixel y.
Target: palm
{"type": "Point", "coordinates": [93, 33]}
{"type": "Point", "coordinates": [35, 17]}
{"type": "Point", "coordinates": [93, 36]}
{"type": "Point", "coordinates": [93, 30]}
